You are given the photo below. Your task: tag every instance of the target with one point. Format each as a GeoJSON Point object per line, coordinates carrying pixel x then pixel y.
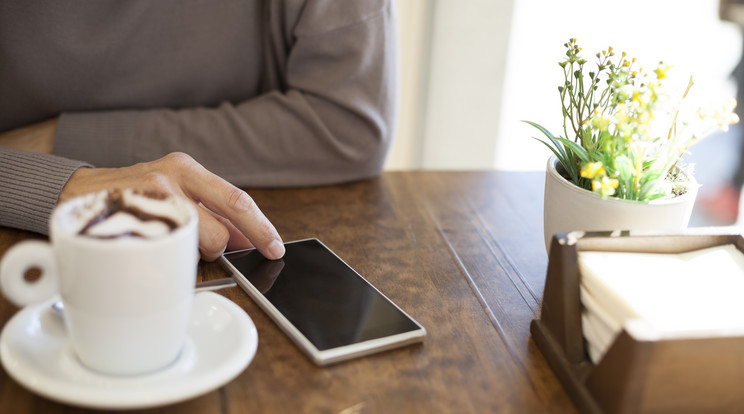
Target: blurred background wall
{"type": "Point", "coordinates": [473, 69]}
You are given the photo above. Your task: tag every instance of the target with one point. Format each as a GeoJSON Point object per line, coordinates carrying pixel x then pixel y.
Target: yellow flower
{"type": "Point", "coordinates": [636, 98]}
{"type": "Point", "coordinates": [606, 186]}
{"type": "Point", "coordinates": [593, 169]}
{"type": "Point", "coordinates": [661, 70]}
{"type": "Point", "coordinates": [723, 116]}
{"type": "Point", "coordinates": [598, 121]}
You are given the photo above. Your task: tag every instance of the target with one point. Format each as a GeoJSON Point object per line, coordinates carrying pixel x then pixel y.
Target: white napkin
{"type": "Point", "coordinates": [696, 293]}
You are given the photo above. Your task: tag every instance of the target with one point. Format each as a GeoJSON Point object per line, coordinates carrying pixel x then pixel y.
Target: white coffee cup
{"type": "Point", "coordinates": [127, 299]}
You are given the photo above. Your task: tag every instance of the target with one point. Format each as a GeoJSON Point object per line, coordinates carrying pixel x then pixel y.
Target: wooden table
{"type": "Point", "coordinates": [461, 252]}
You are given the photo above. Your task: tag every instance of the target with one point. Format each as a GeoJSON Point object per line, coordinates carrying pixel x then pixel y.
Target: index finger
{"type": "Point", "coordinates": [236, 205]}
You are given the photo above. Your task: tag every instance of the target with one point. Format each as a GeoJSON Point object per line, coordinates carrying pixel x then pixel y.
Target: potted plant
{"type": "Point", "coordinates": [617, 165]}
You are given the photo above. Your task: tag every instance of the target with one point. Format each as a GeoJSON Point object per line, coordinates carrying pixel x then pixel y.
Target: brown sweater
{"type": "Point", "coordinates": [263, 93]}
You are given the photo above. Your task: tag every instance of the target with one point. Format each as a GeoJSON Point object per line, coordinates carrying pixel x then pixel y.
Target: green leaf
{"type": "Point", "coordinates": [577, 149]}
{"type": "Point", "coordinates": [565, 156]}
{"type": "Point", "coordinates": [552, 139]}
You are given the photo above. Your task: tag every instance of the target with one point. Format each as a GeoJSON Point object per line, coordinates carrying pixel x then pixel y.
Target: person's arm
{"type": "Point", "coordinates": [30, 183]}
{"type": "Point", "coordinates": [330, 120]}
{"type": "Point", "coordinates": [228, 216]}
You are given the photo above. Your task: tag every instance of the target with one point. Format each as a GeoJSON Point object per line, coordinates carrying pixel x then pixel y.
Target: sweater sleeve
{"type": "Point", "coordinates": [30, 184]}
{"type": "Point", "coordinates": [330, 117]}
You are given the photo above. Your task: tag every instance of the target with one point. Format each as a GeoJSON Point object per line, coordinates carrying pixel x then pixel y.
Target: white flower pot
{"type": "Point", "coordinates": [568, 208]}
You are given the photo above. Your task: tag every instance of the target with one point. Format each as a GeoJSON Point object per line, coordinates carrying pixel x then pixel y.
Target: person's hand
{"type": "Point", "coordinates": [37, 137]}
{"type": "Point", "coordinates": [228, 216]}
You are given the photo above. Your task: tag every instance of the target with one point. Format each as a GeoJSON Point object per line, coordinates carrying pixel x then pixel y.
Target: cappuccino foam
{"type": "Point", "coordinates": [122, 223]}
{"type": "Point", "coordinates": [130, 213]}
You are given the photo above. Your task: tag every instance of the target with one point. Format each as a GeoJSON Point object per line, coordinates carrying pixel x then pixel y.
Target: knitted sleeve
{"type": "Point", "coordinates": [30, 184]}
{"type": "Point", "coordinates": [328, 117]}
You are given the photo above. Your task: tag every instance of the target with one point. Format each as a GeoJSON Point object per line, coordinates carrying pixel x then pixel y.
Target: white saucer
{"type": "Point", "coordinates": [35, 351]}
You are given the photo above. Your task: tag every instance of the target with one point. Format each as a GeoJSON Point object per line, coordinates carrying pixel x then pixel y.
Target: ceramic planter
{"type": "Point", "coordinates": [568, 207]}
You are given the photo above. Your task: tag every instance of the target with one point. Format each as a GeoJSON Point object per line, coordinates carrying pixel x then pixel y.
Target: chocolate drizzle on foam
{"type": "Point", "coordinates": [117, 203]}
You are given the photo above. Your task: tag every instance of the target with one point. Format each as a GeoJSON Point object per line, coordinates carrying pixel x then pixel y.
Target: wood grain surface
{"type": "Point", "coordinates": [461, 252]}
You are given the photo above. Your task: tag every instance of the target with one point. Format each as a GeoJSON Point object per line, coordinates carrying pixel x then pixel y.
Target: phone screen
{"type": "Point", "coordinates": [321, 296]}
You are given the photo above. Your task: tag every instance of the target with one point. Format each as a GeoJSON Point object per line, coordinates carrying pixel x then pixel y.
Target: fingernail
{"type": "Point", "coordinates": [276, 249]}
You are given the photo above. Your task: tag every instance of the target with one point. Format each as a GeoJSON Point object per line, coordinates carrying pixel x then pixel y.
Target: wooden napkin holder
{"type": "Point", "coordinates": [696, 375]}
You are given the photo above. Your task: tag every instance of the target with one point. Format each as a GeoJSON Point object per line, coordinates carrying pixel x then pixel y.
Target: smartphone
{"type": "Point", "coordinates": [328, 309]}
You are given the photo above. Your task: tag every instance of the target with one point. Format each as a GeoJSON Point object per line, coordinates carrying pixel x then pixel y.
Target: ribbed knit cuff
{"type": "Point", "coordinates": [30, 184]}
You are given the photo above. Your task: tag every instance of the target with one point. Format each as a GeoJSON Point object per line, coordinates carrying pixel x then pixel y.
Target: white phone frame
{"type": "Point", "coordinates": [332, 355]}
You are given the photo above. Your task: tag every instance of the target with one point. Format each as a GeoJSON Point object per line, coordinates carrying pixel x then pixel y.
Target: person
{"type": "Point", "coordinates": [723, 204]}
{"type": "Point", "coordinates": [192, 97]}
